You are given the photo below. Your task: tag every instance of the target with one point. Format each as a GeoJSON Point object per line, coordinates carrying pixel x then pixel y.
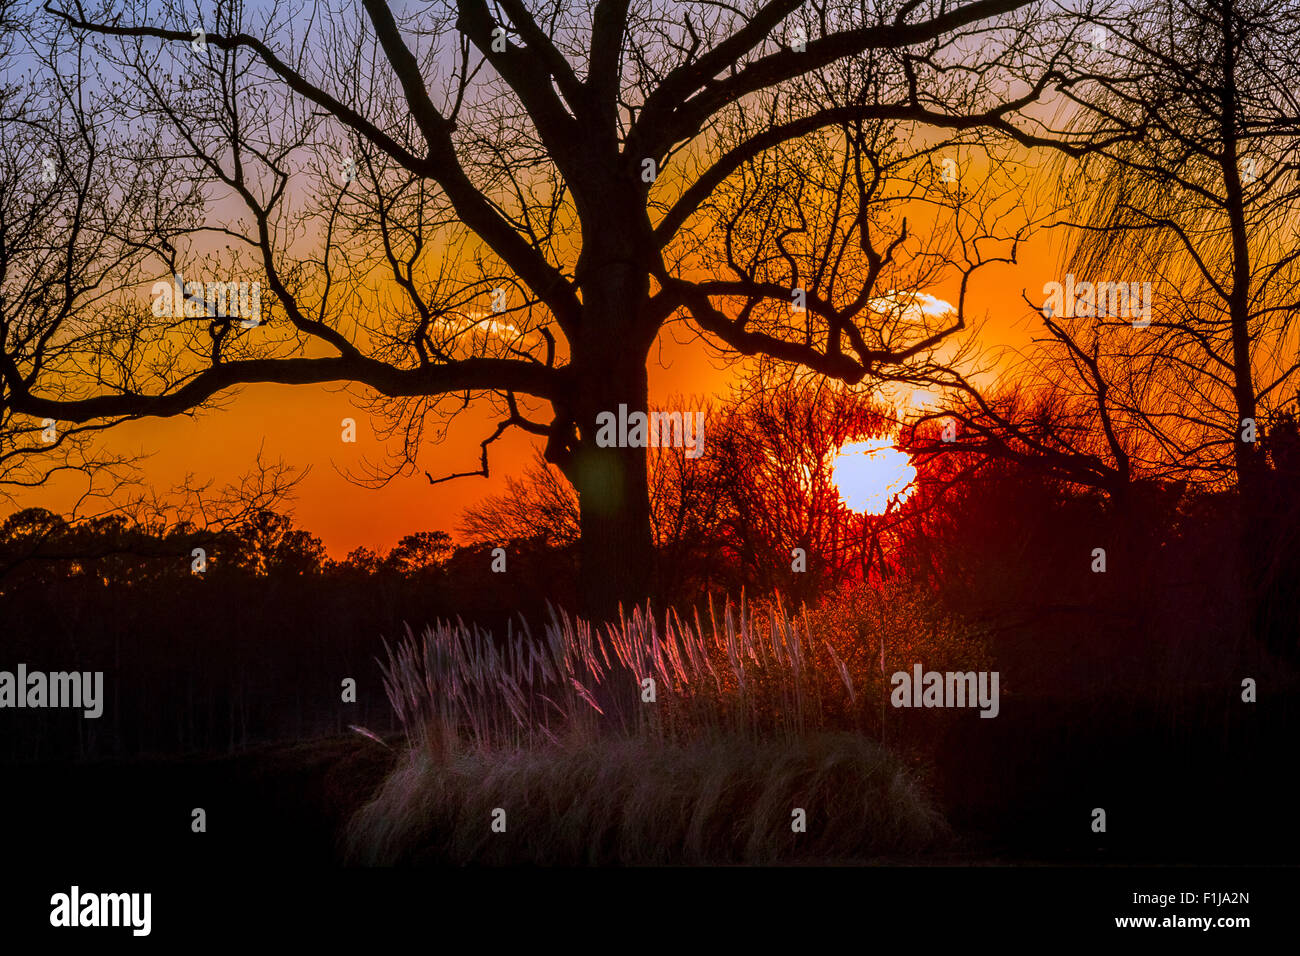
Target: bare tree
{"type": "Point", "coordinates": [1199, 208]}
{"type": "Point", "coordinates": [477, 202]}
{"type": "Point", "coordinates": [1204, 207]}
{"type": "Point", "coordinates": [1174, 348]}
{"type": "Point", "coordinates": [77, 217]}
{"type": "Point", "coordinates": [538, 505]}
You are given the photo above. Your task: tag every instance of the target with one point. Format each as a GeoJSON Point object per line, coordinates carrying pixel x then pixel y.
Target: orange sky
{"type": "Point", "coordinates": [301, 425]}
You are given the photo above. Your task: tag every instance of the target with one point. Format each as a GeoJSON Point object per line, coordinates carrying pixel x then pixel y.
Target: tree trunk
{"type": "Point", "coordinates": [616, 550]}
{"type": "Point", "coordinates": [608, 359]}
{"type": "Point", "coordinates": [1256, 535]}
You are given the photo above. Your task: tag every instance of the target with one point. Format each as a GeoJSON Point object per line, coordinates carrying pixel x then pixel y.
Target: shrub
{"type": "Point", "coordinates": [880, 629]}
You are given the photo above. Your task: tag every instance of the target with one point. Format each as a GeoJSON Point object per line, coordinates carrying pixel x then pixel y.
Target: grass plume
{"type": "Point", "coordinates": [753, 715]}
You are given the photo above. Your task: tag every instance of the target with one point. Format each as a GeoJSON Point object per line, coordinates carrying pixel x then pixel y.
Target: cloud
{"type": "Point", "coordinates": [916, 306]}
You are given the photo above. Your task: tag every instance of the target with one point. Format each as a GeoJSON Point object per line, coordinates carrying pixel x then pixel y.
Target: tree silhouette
{"type": "Point", "coordinates": [495, 204]}
{"type": "Point", "coordinates": [1202, 208]}
{"type": "Point", "coordinates": [422, 551]}
{"type": "Point", "coordinates": [1203, 205]}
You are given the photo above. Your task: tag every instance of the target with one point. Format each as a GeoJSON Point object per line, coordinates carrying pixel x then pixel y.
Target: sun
{"type": "Point", "coordinates": [871, 474]}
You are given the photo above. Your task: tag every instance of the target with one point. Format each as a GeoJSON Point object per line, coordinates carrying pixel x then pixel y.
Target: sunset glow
{"type": "Point", "coordinates": [453, 435]}
{"type": "Point", "coordinates": [871, 474]}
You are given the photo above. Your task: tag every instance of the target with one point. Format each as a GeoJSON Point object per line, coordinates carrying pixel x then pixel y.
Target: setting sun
{"type": "Point", "coordinates": [870, 474]}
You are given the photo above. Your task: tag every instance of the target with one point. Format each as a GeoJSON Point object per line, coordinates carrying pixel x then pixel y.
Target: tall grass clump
{"type": "Point", "coordinates": [754, 713]}
{"type": "Point", "coordinates": [622, 800]}
{"type": "Point", "coordinates": [742, 670]}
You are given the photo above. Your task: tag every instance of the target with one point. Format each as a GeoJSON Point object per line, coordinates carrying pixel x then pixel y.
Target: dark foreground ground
{"type": "Point", "coordinates": [1208, 785]}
